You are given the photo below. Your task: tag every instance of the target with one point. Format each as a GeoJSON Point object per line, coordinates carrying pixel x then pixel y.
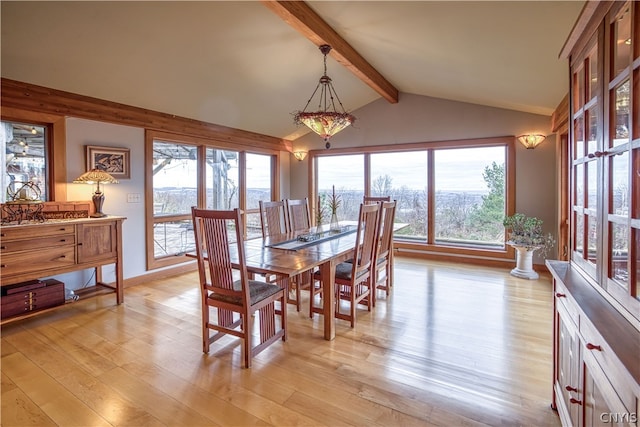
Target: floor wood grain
{"type": "Point", "coordinates": [453, 345]}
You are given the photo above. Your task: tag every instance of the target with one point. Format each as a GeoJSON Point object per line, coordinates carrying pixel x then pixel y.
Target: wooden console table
{"type": "Point", "coordinates": [33, 251]}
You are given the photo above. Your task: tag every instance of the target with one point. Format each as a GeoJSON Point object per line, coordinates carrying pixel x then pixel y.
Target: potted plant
{"type": "Point", "coordinates": [526, 236]}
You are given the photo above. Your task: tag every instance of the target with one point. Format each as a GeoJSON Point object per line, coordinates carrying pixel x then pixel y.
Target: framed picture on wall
{"type": "Point", "coordinates": [114, 161]}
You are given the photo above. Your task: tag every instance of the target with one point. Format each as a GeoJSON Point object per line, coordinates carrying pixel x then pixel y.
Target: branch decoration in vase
{"type": "Point", "coordinates": [526, 236]}
{"type": "Point", "coordinates": [334, 204]}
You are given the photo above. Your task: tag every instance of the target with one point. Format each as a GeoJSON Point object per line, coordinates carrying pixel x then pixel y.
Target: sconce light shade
{"type": "Point", "coordinates": [96, 176]}
{"type": "Point", "coordinates": [531, 141]}
{"type": "Point", "coordinates": [300, 155]}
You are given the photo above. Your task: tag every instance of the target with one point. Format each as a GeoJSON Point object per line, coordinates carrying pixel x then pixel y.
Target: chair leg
{"type": "Point", "coordinates": [205, 328]}
{"type": "Point", "coordinates": [247, 340]}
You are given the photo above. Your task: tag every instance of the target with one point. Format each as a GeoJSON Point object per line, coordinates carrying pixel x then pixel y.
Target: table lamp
{"type": "Point", "coordinates": [96, 176]}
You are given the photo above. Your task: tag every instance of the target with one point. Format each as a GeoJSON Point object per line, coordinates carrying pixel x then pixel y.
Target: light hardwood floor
{"type": "Point", "coordinates": [453, 345]}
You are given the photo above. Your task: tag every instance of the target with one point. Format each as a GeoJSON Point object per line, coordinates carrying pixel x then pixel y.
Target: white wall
{"type": "Point", "coordinates": [422, 119]}
{"type": "Point", "coordinates": [82, 132]}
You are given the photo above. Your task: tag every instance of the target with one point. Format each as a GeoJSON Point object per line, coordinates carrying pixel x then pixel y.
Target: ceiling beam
{"type": "Point", "coordinates": [307, 22]}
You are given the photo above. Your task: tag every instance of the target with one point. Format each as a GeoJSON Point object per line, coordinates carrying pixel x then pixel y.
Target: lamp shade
{"type": "Point", "coordinates": [300, 155]}
{"type": "Point", "coordinates": [327, 120]}
{"type": "Point", "coordinates": [96, 176]}
{"type": "Point", "coordinates": [531, 141]}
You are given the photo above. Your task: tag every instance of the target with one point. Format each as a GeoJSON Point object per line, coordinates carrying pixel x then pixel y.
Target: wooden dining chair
{"type": "Point", "coordinates": [298, 213]}
{"type": "Point", "coordinates": [218, 235]}
{"type": "Point", "coordinates": [375, 199]}
{"type": "Point", "coordinates": [384, 255]}
{"type": "Point", "coordinates": [354, 281]}
{"type": "Point", "coordinates": [299, 220]}
{"type": "Point", "coordinates": [273, 217]}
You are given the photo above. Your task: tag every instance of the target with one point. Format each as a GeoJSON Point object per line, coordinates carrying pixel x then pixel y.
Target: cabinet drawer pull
{"type": "Point", "coordinates": [569, 388]}
{"type": "Point", "coordinates": [3, 266]}
{"type": "Point", "coordinates": [3, 247]}
{"type": "Point", "coordinates": [63, 240]}
{"type": "Point", "coordinates": [79, 243]}
{"type": "Point", "coordinates": [575, 401]}
{"type": "Point", "coordinates": [593, 347]}
{"type": "Point", "coordinates": [2, 235]}
{"type": "Point", "coordinates": [63, 256]}
{"type": "Point", "coordinates": [560, 295]}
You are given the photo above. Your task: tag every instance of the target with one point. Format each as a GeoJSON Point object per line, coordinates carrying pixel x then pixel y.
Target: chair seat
{"type": "Point", "coordinates": [343, 272]}
{"type": "Point", "coordinates": [257, 292]}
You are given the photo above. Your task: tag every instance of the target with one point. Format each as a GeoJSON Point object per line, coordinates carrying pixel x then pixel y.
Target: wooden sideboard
{"type": "Point", "coordinates": [33, 251]}
{"type": "Point", "coordinates": [596, 375]}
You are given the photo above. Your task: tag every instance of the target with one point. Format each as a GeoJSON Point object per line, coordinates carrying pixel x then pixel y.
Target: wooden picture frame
{"type": "Point", "coordinates": [114, 161]}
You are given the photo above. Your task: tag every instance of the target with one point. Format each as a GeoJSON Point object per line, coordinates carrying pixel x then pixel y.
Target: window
{"type": "Point", "coordinates": [259, 187]}
{"type": "Point", "coordinates": [25, 159]}
{"type": "Point", "coordinates": [403, 176]}
{"type": "Point", "coordinates": [452, 195]}
{"type": "Point", "coordinates": [183, 172]}
{"type": "Point", "coordinates": [346, 175]}
{"type": "Point", "coordinates": [470, 196]}
{"type": "Point", "coordinates": [175, 190]}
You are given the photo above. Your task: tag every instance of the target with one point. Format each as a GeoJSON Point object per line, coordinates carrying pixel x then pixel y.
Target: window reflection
{"type": "Point", "coordinates": [24, 152]}
{"type": "Point", "coordinates": [621, 132]}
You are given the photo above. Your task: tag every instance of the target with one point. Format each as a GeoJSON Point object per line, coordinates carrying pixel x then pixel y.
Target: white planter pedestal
{"type": "Point", "coordinates": [524, 263]}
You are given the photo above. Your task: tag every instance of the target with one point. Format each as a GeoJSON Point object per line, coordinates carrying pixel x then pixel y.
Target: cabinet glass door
{"type": "Point", "coordinates": [621, 166]}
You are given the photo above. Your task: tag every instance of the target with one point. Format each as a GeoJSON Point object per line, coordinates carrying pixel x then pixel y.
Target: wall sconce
{"type": "Point", "coordinates": [96, 176]}
{"type": "Point", "coordinates": [531, 141]}
{"type": "Point", "coordinates": [300, 155]}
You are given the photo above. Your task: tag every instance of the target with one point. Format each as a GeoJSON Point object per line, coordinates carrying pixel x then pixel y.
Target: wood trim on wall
{"type": "Point", "coordinates": [29, 97]}
{"type": "Point", "coordinates": [560, 116]}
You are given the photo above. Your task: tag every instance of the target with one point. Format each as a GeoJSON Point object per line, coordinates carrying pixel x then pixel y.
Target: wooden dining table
{"type": "Point", "coordinates": [275, 255]}
{"type": "Point", "coordinates": [286, 256]}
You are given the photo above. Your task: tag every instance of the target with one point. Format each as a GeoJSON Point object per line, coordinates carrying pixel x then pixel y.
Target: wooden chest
{"type": "Point", "coordinates": [30, 296]}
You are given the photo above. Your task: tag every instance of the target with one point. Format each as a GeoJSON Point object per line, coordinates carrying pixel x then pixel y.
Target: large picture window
{"type": "Point", "coordinates": [183, 172]}
{"type": "Point", "coordinates": [452, 195]}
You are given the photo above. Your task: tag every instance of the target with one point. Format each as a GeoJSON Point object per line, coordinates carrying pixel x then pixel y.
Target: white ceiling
{"type": "Point", "coordinates": [236, 63]}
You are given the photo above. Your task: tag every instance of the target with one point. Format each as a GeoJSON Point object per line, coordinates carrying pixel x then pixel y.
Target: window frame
{"type": "Point", "coordinates": [201, 144]}
{"type": "Point", "coordinates": [429, 246]}
{"type": "Point", "coordinates": [56, 161]}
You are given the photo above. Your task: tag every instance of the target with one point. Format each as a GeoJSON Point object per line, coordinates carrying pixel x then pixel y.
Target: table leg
{"type": "Point", "coordinates": [328, 272]}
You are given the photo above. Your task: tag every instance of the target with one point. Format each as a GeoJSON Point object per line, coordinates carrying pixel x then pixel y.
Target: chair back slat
{"type": "Point", "coordinates": [298, 211]}
{"type": "Point", "coordinates": [367, 236]}
{"type": "Point", "coordinates": [273, 217]}
{"type": "Point", "coordinates": [388, 216]}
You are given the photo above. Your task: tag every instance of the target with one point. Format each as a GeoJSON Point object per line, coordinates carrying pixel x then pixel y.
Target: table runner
{"type": "Point", "coordinates": [311, 239]}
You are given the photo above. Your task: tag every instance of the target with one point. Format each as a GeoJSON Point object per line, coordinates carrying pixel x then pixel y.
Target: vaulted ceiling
{"type": "Point", "coordinates": [239, 64]}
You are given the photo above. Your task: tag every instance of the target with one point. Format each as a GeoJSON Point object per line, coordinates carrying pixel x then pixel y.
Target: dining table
{"type": "Point", "coordinates": [290, 254]}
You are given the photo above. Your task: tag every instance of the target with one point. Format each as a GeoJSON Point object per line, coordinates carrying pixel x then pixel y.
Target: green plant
{"type": "Point", "coordinates": [527, 231]}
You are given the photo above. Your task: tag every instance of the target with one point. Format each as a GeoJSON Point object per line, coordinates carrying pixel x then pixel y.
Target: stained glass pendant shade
{"type": "Point", "coordinates": [327, 121]}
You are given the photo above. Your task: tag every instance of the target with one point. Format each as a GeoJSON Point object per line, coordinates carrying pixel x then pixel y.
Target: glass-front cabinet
{"type": "Point", "coordinates": [605, 156]}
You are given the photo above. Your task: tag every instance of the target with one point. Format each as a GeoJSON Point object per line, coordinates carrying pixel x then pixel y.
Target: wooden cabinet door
{"type": "Point", "coordinates": [568, 371]}
{"type": "Point", "coordinates": [97, 241]}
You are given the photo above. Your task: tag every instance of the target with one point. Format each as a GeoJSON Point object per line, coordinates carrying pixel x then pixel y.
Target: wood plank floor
{"type": "Point", "coordinates": [454, 345]}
